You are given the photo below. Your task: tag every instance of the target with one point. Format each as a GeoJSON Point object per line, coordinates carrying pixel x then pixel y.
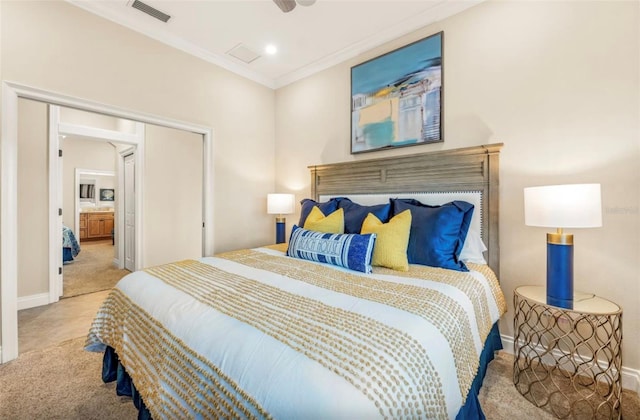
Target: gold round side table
{"type": "Point", "coordinates": [568, 361]}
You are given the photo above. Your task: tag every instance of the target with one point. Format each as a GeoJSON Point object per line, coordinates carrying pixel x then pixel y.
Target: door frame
{"type": "Point", "coordinates": [57, 129]}
{"type": "Point", "coordinates": [11, 92]}
{"type": "Point", "coordinates": [56, 184]}
{"type": "Point", "coordinates": [122, 212]}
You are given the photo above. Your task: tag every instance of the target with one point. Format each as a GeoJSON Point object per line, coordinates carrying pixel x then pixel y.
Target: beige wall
{"type": "Point", "coordinates": [59, 47]}
{"type": "Point", "coordinates": [172, 198]}
{"type": "Point", "coordinates": [33, 199]}
{"type": "Point", "coordinates": [55, 46]}
{"type": "Point", "coordinates": [558, 83]}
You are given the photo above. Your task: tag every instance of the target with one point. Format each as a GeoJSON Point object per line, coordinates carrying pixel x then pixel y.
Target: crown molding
{"type": "Point", "coordinates": [438, 12]}
{"type": "Point", "coordinates": [152, 31]}
{"type": "Point", "coordinates": [434, 14]}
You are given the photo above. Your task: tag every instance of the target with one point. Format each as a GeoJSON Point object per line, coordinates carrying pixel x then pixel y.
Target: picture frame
{"type": "Point", "coordinates": [107, 194]}
{"type": "Point", "coordinates": [396, 98]}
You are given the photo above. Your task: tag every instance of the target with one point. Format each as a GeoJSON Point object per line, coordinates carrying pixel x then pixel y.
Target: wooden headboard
{"type": "Point", "coordinates": [465, 169]}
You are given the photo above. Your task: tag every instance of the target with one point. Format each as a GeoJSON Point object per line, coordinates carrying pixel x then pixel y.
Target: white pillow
{"type": "Point", "coordinates": [473, 248]}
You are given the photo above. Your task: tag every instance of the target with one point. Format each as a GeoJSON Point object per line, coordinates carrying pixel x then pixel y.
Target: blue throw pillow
{"type": "Point", "coordinates": [437, 232]}
{"type": "Point", "coordinates": [326, 208]}
{"type": "Point", "coordinates": [354, 214]}
{"type": "Point", "coordinates": [344, 250]}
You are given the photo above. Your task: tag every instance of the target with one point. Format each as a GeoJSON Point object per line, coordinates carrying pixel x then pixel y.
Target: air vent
{"type": "Point", "coordinates": [243, 53]}
{"type": "Point", "coordinates": [151, 11]}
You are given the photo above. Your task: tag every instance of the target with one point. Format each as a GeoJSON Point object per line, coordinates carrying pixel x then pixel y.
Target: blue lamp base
{"type": "Point", "coordinates": [560, 273]}
{"type": "Point", "coordinates": [280, 230]}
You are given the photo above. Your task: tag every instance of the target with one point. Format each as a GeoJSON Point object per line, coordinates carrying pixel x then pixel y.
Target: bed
{"type": "Point", "coordinates": [70, 245]}
{"type": "Point", "coordinates": [270, 333]}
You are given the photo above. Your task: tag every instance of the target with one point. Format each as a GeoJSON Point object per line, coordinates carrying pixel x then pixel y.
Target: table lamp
{"type": "Point", "coordinates": [562, 206]}
{"type": "Point", "coordinates": [280, 204]}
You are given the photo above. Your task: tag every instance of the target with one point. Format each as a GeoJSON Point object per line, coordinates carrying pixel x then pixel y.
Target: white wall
{"type": "Point", "coordinates": [558, 83]}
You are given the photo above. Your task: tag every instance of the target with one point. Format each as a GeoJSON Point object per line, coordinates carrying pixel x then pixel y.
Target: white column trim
{"type": "Point", "coordinates": [55, 220]}
{"type": "Point", "coordinates": [9, 225]}
{"type": "Point", "coordinates": [138, 179]}
{"type": "Point", "coordinates": [208, 195]}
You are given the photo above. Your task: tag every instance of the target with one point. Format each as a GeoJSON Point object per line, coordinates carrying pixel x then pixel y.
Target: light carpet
{"type": "Point", "coordinates": [60, 382]}
{"type": "Point", "coordinates": [63, 382]}
{"type": "Point", "coordinates": [92, 270]}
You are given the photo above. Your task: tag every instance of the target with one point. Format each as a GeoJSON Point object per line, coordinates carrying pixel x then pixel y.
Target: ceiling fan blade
{"type": "Point", "coordinates": [285, 5]}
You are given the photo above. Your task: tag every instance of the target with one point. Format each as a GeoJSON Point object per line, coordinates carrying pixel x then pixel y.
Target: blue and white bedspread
{"type": "Point", "coordinates": [69, 241]}
{"type": "Point", "coordinates": [257, 334]}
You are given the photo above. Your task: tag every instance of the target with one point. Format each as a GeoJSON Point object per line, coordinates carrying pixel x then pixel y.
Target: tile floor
{"type": "Point", "coordinates": [68, 318]}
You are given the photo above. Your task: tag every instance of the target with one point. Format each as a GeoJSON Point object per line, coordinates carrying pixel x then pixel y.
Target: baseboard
{"type": "Point", "coordinates": [32, 301]}
{"type": "Point", "coordinates": [630, 377]}
{"type": "Point", "coordinates": [507, 343]}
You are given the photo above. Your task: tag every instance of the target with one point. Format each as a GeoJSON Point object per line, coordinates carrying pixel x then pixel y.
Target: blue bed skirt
{"type": "Point", "coordinates": [66, 255]}
{"type": "Point", "coordinates": [471, 409]}
{"type": "Point", "coordinates": [112, 370]}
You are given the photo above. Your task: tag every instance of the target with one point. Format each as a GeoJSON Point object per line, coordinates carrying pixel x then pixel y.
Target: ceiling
{"type": "Point", "coordinates": [309, 39]}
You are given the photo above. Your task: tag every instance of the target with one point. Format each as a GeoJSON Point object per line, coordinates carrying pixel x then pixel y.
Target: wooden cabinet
{"type": "Point", "coordinates": [96, 225]}
{"type": "Point", "coordinates": [83, 226]}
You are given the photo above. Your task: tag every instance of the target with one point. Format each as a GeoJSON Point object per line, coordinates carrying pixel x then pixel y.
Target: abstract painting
{"type": "Point", "coordinates": [396, 98]}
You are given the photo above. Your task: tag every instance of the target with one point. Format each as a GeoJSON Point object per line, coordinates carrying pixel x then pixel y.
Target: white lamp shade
{"type": "Point", "coordinates": [280, 203]}
{"type": "Point", "coordinates": [563, 206]}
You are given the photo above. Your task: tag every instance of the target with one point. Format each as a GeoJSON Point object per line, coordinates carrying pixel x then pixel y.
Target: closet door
{"type": "Point", "coordinates": [129, 212]}
{"type": "Point", "coordinates": [173, 195]}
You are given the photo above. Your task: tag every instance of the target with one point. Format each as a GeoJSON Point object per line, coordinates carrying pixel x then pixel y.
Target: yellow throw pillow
{"type": "Point", "coordinates": [390, 249]}
{"type": "Point", "coordinates": [333, 223]}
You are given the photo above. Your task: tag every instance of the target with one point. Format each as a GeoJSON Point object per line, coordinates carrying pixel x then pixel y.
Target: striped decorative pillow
{"type": "Point", "coordinates": [344, 250]}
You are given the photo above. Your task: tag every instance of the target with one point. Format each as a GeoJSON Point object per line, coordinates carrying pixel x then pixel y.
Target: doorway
{"type": "Point", "coordinates": [87, 197]}
{"type": "Point", "coordinates": [90, 221]}
{"type": "Point", "coordinates": [172, 195]}
{"type": "Point", "coordinates": [9, 193]}
{"type": "Point", "coordinates": [173, 202]}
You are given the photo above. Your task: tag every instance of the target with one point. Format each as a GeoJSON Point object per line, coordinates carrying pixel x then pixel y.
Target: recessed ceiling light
{"type": "Point", "coordinates": [271, 49]}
